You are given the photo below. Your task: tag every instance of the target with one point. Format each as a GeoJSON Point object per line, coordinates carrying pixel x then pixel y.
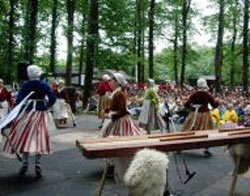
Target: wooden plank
{"type": "Point", "coordinates": [166, 146]}
{"type": "Point", "coordinates": [233, 129]}
{"type": "Point", "coordinates": [239, 133]}
{"type": "Point", "coordinates": [112, 138]}
{"type": "Point", "coordinates": [184, 137]}
{"type": "Point", "coordinates": [171, 134]}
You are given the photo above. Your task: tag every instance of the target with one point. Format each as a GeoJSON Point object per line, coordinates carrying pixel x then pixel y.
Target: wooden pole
{"type": "Point", "coordinates": [235, 176]}
{"type": "Point", "coordinates": [101, 185]}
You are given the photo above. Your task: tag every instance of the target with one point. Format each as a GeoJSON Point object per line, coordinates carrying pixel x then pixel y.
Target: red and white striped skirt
{"type": "Point", "coordinates": [29, 133]}
{"type": "Point", "coordinates": [123, 126]}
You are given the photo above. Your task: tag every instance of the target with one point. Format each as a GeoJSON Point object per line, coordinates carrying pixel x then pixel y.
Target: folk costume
{"type": "Point", "coordinates": [29, 132]}
{"type": "Point", "coordinates": [103, 90]}
{"type": "Point", "coordinates": [199, 118]}
{"type": "Point", "coordinates": [5, 100]}
{"type": "Point", "coordinates": [203, 118]}
{"type": "Point", "coordinates": [150, 117]}
{"type": "Point", "coordinates": [119, 123]}
{"type": "Point", "coordinates": [60, 108]}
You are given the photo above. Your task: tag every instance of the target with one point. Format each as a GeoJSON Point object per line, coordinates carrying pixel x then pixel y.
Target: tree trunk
{"type": "Point", "coordinates": [185, 9]}
{"type": "Point", "coordinates": [218, 50]}
{"type": "Point", "coordinates": [84, 16]}
{"type": "Point", "coordinates": [53, 37]}
{"type": "Point", "coordinates": [92, 42]}
{"type": "Point", "coordinates": [245, 47]}
{"type": "Point", "coordinates": [143, 44]}
{"type": "Point", "coordinates": [134, 49]}
{"type": "Point", "coordinates": [139, 41]}
{"type": "Point", "coordinates": [176, 51]}
{"type": "Point", "coordinates": [26, 31]}
{"type": "Point", "coordinates": [8, 67]}
{"type": "Point", "coordinates": [151, 39]}
{"type": "Point", "coordinates": [233, 49]}
{"type": "Point", "coordinates": [31, 30]}
{"type": "Point", "coordinates": [70, 11]}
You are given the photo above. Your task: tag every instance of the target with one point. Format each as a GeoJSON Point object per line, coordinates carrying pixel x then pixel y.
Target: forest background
{"type": "Point", "coordinates": [123, 35]}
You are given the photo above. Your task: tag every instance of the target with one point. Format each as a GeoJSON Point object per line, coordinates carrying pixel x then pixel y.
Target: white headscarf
{"type": "Point", "coordinates": [106, 77]}
{"type": "Point", "coordinates": [34, 72]}
{"type": "Point", "coordinates": [202, 84]}
{"type": "Point", "coordinates": [151, 82]}
{"type": "Point", "coordinates": [120, 79]}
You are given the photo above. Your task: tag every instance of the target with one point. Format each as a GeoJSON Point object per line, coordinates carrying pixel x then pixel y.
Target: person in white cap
{"type": "Point", "coordinates": [104, 92]}
{"type": "Point", "coordinates": [149, 117]}
{"type": "Point", "coordinates": [120, 122]}
{"type": "Point", "coordinates": [60, 110]}
{"type": "Point", "coordinates": [5, 100]}
{"type": "Point", "coordinates": [199, 117]}
{"type": "Point", "coordinates": [30, 131]}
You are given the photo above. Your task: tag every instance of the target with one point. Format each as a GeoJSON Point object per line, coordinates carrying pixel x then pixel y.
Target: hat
{"type": "Point", "coordinates": [151, 82]}
{"type": "Point", "coordinates": [106, 77]}
{"type": "Point", "coordinates": [34, 72]}
{"type": "Point", "coordinates": [202, 83]}
{"type": "Point", "coordinates": [61, 81]}
{"type": "Point", "coordinates": [120, 79]}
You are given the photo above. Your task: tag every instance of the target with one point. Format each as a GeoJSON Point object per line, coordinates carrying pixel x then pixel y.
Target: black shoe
{"type": "Point", "coordinates": [23, 171]}
{"type": "Point", "coordinates": [38, 170]}
{"type": "Point", "coordinates": [207, 153]}
{"type": "Point", "coordinates": [100, 127]}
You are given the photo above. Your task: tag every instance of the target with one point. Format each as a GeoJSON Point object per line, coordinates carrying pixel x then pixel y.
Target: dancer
{"type": "Point", "coordinates": [29, 132]}
{"type": "Point", "coordinates": [5, 100]}
{"type": "Point", "coordinates": [120, 122]}
{"type": "Point", "coordinates": [150, 118]}
{"type": "Point", "coordinates": [60, 110]}
{"type": "Point", "coordinates": [104, 92]}
{"type": "Point", "coordinates": [199, 117]}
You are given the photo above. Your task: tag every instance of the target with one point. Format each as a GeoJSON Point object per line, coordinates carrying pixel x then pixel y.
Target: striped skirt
{"type": "Point", "coordinates": [123, 126]}
{"type": "Point", "coordinates": [29, 133]}
{"type": "Point", "coordinates": [203, 121]}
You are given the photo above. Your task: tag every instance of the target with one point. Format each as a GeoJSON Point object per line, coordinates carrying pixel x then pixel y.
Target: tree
{"type": "Point", "coordinates": [70, 29]}
{"type": "Point", "coordinates": [185, 10]}
{"type": "Point", "coordinates": [53, 36]}
{"type": "Point", "coordinates": [9, 65]}
{"type": "Point", "coordinates": [151, 39]}
{"type": "Point", "coordinates": [84, 8]}
{"type": "Point", "coordinates": [31, 25]}
{"type": "Point", "coordinates": [219, 45]}
{"type": "Point", "coordinates": [234, 15]}
{"type": "Point", "coordinates": [92, 42]}
{"type": "Point", "coordinates": [245, 47]}
{"type": "Point", "coordinates": [139, 39]}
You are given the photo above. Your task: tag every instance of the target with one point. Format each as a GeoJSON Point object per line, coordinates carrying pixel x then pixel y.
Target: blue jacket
{"type": "Point", "coordinates": [41, 89]}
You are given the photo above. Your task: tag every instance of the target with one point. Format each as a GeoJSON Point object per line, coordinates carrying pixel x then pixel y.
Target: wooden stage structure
{"type": "Point", "coordinates": [115, 146]}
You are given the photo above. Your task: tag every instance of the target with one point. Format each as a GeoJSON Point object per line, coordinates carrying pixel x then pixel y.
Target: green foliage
{"type": "Point", "coordinates": [117, 24]}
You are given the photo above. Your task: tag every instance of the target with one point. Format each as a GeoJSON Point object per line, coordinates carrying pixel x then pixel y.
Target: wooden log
{"type": "Point", "coordinates": [171, 134]}
{"type": "Point", "coordinates": [233, 129]}
{"type": "Point", "coordinates": [184, 137]}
